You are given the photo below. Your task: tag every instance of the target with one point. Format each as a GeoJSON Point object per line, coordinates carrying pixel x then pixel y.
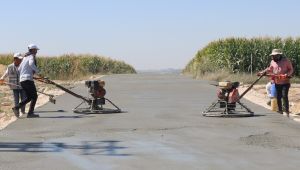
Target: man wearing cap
{"type": "Point", "coordinates": [27, 69]}
{"type": "Point", "coordinates": [281, 69]}
{"type": "Point", "coordinates": [13, 80]}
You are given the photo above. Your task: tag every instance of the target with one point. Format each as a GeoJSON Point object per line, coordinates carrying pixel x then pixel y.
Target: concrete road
{"type": "Point", "coordinates": [162, 128]}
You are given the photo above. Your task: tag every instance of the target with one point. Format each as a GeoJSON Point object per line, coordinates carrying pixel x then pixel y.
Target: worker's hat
{"type": "Point", "coordinates": [18, 55]}
{"type": "Point", "coordinates": [32, 46]}
{"type": "Point", "coordinates": [276, 52]}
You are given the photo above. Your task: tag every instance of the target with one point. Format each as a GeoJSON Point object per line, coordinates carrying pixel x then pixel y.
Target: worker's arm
{"type": "Point", "coordinates": [4, 75]}
{"type": "Point", "coordinates": [32, 64]}
{"type": "Point", "coordinates": [290, 69]}
{"type": "Point", "coordinates": [268, 70]}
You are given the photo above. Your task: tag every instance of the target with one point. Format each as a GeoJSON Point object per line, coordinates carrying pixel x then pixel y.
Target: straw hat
{"type": "Point", "coordinates": [276, 52]}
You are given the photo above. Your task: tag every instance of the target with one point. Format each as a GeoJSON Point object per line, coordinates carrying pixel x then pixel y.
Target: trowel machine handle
{"type": "Point", "coordinates": [48, 81]}
{"type": "Point", "coordinates": [261, 75]}
{"type": "Point", "coordinates": [278, 76]}
{"type": "Point", "coordinates": [43, 79]}
{"type": "Point", "coordinates": [51, 97]}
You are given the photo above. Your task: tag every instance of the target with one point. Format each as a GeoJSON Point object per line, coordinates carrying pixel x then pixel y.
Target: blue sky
{"type": "Point", "coordinates": [152, 34]}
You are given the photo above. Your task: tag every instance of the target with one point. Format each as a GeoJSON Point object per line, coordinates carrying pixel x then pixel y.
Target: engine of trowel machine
{"type": "Point", "coordinates": [228, 91]}
{"type": "Point", "coordinates": [96, 88]}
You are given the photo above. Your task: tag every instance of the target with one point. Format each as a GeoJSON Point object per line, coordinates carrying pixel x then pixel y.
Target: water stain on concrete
{"type": "Point", "coordinates": [270, 140]}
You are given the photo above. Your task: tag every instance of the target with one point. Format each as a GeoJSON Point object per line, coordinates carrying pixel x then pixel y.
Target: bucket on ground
{"type": "Point", "coordinates": [274, 106]}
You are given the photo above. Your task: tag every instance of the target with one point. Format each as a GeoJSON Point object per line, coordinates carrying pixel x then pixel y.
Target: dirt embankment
{"type": "Point", "coordinates": [258, 95]}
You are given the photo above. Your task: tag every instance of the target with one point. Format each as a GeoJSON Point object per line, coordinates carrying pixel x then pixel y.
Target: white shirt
{"type": "Point", "coordinates": [26, 68]}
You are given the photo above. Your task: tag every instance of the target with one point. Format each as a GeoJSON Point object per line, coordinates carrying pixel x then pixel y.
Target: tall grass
{"type": "Point", "coordinates": [72, 66]}
{"type": "Point", "coordinates": [242, 55]}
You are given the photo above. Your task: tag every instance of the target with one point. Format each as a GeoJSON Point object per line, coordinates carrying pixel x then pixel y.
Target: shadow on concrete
{"type": "Point", "coordinates": [59, 117]}
{"type": "Point", "coordinates": [258, 115]}
{"type": "Point", "coordinates": [87, 111]}
{"type": "Point", "coordinates": [49, 111]}
{"type": "Point", "coordinates": [106, 112]}
{"type": "Point", "coordinates": [64, 117]}
{"type": "Point", "coordinates": [105, 148]}
{"type": "Point", "coordinates": [233, 116]}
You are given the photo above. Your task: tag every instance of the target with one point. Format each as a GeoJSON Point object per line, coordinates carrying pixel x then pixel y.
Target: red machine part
{"type": "Point", "coordinates": [100, 93]}
{"type": "Point", "coordinates": [233, 95]}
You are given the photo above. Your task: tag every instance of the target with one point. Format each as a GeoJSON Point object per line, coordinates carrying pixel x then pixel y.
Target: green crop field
{"type": "Point", "coordinates": [76, 66]}
{"type": "Point", "coordinates": [242, 55]}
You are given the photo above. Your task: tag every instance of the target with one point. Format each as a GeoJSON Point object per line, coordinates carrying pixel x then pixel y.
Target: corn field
{"type": "Point", "coordinates": [242, 55]}
{"type": "Point", "coordinates": [72, 66]}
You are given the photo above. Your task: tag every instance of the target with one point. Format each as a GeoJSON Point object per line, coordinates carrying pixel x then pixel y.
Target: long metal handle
{"type": "Point", "coordinates": [51, 97]}
{"type": "Point", "coordinates": [250, 87]}
{"type": "Point", "coordinates": [47, 81]}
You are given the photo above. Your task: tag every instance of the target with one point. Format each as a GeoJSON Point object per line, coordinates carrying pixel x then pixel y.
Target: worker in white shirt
{"type": "Point", "coordinates": [13, 76]}
{"type": "Point", "coordinates": [27, 69]}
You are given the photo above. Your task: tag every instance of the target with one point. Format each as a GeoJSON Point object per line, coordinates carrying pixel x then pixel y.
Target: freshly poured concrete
{"type": "Point", "coordinates": [161, 128]}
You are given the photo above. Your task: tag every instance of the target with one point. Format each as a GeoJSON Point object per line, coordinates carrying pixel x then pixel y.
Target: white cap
{"type": "Point", "coordinates": [18, 55]}
{"type": "Point", "coordinates": [32, 46]}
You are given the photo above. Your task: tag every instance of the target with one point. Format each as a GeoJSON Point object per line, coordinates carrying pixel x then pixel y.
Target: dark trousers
{"type": "Point", "coordinates": [31, 95]}
{"type": "Point", "coordinates": [17, 94]}
{"type": "Point", "coordinates": [282, 91]}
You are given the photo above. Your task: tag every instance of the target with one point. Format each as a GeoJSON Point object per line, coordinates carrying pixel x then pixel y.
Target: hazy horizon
{"type": "Point", "coordinates": [149, 35]}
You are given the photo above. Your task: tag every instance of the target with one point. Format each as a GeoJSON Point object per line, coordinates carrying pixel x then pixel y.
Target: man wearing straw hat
{"type": "Point", "coordinates": [13, 76]}
{"type": "Point", "coordinates": [281, 69]}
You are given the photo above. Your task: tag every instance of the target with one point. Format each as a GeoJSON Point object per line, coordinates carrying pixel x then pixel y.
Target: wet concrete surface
{"type": "Point", "coordinates": [161, 128]}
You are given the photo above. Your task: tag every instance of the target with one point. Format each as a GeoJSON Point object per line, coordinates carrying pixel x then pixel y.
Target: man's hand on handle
{"type": "Point", "coordinates": [261, 73]}
{"type": "Point", "coordinates": [2, 82]}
